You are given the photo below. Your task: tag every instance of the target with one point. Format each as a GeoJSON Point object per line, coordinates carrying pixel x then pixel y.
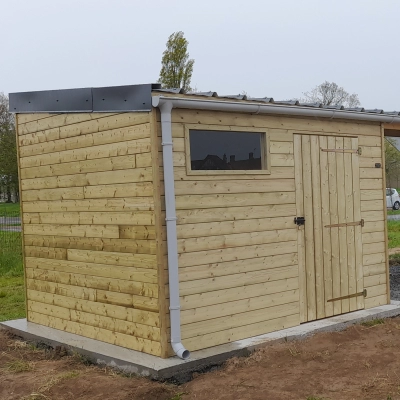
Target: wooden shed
{"type": "Point", "coordinates": [167, 223]}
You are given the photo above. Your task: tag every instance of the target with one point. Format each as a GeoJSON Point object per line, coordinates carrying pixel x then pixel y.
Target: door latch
{"type": "Point", "coordinates": [299, 220]}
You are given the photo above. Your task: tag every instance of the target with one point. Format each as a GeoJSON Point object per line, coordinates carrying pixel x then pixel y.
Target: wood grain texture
{"type": "Point", "coordinates": [89, 226]}
{"type": "Point", "coordinates": [385, 215]}
{"type": "Point", "coordinates": [224, 224]}
{"type": "Point", "coordinates": [94, 332]}
{"type": "Point", "coordinates": [95, 235]}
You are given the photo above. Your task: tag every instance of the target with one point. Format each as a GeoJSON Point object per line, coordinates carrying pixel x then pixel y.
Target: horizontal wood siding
{"type": "Point", "coordinates": [88, 202]}
{"type": "Point", "coordinates": [237, 242]}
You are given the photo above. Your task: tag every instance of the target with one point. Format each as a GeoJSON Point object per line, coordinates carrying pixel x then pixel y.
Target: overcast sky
{"type": "Point", "coordinates": [271, 48]}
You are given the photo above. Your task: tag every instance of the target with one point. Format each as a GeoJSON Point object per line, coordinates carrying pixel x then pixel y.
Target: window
{"type": "Point", "coordinates": [226, 151]}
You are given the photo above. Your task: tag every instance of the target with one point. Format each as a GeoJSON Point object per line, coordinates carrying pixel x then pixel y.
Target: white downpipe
{"type": "Point", "coordinates": [166, 104]}
{"type": "Point", "coordinates": [174, 303]}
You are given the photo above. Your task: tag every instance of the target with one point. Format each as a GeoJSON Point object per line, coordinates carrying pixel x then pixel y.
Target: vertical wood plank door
{"type": "Point", "coordinates": [329, 243]}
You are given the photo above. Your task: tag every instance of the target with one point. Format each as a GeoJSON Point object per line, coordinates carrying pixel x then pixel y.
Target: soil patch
{"type": "Point", "coordinates": [361, 362]}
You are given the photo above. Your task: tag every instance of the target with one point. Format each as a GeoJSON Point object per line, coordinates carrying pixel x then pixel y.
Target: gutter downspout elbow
{"type": "Point", "coordinates": [172, 245]}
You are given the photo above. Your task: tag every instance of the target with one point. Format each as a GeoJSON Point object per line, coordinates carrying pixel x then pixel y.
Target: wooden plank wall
{"type": "Point", "coordinates": [89, 226]}
{"type": "Point", "coordinates": [238, 260]}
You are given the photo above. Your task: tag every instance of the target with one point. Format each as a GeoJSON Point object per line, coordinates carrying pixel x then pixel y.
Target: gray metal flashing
{"type": "Point", "coordinates": [235, 96]}
{"type": "Point", "coordinates": [337, 107]}
{"type": "Point", "coordinates": [103, 99]}
{"type": "Point", "coordinates": [288, 102]}
{"type": "Point", "coordinates": [374, 111]}
{"type": "Point", "coordinates": [138, 98]}
{"type": "Point", "coordinates": [172, 90]}
{"type": "Point", "coordinates": [206, 94]}
{"type": "Point", "coordinates": [357, 109]}
{"type": "Point", "coordinates": [261, 99]}
{"type": "Point", "coordinates": [315, 105]}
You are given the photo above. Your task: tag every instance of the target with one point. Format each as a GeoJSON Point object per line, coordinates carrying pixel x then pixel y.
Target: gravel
{"type": "Point", "coordinates": [395, 282]}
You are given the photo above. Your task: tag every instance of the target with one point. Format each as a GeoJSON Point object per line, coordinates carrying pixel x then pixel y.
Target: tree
{"type": "Point", "coordinates": [331, 94]}
{"type": "Point", "coordinates": [8, 153]}
{"type": "Point", "coordinates": [177, 68]}
{"type": "Point", "coordinates": [392, 162]}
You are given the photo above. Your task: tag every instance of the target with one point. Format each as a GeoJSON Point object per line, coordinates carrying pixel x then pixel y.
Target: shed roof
{"type": "Point", "coordinates": [139, 98]}
{"type": "Point", "coordinates": [271, 100]}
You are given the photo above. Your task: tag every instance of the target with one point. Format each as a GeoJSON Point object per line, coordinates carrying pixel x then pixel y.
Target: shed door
{"type": "Point", "coordinates": [330, 246]}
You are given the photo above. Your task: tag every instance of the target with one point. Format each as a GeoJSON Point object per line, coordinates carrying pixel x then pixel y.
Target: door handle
{"type": "Point", "coordinates": [299, 220]}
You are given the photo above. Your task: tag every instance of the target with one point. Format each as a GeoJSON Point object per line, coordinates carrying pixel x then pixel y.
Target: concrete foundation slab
{"type": "Point", "coordinates": [130, 361]}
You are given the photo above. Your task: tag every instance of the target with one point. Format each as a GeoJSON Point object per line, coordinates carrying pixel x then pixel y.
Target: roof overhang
{"type": "Point", "coordinates": [392, 129]}
{"type": "Point", "coordinates": [274, 109]}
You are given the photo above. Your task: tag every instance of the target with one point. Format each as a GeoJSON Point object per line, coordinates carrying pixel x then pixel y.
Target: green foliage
{"type": "Point", "coordinates": [373, 322]}
{"type": "Point", "coordinates": [12, 304]}
{"type": "Point", "coordinates": [8, 152]}
{"type": "Point", "coordinates": [393, 212]}
{"type": "Point", "coordinates": [392, 162]}
{"type": "Point", "coordinates": [9, 209]}
{"type": "Point", "coordinates": [393, 234]}
{"type": "Point", "coordinates": [177, 68]}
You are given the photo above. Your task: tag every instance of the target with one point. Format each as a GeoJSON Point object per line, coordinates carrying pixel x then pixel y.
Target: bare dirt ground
{"type": "Point", "coordinates": [362, 362]}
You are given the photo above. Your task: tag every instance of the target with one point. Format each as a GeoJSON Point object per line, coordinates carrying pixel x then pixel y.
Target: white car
{"type": "Point", "coordinates": [392, 199]}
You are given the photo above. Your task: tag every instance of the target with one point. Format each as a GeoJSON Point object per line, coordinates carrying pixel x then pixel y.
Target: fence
{"type": "Point", "coordinates": [10, 239]}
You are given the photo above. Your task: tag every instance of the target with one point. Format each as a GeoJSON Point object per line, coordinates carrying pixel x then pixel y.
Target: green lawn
{"type": "Point", "coordinates": [393, 212]}
{"type": "Point", "coordinates": [12, 293]}
{"type": "Point", "coordinates": [394, 234]}
{"type": "Point", "coordinates": [9, 208]}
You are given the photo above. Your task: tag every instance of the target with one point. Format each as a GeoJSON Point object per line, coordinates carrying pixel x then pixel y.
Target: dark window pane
{"type": "Point", "coordinates": [221, 150]}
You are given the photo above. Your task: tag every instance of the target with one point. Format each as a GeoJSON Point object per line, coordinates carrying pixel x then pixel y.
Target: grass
{"type": "Point", "coordinates": [394, 234]}
{"type": "Point", "coordinates": [17, 366]}
{"type": "Point", "coordinates": [9, 208]}
{"type": "Point", "coordinates": [373, 322]}
{"type": "Point", "coordinates": [53, 381]}
{"type": "Point", "coordinates": [178, 396]}
{"type": "Point", "coordinates": [12, 293]}
{"type": "Point", "coordinates": [393, 212]}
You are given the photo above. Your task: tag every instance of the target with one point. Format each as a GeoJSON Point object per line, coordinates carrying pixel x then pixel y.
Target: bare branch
{"type": "Point", "coordinates": [331, 94]}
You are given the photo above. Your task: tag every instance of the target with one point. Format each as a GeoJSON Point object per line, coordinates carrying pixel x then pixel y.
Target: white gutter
{"type": "Point", "coordinates": [166, 104]}
{"type": "Point", "coordinates": [270, 108]}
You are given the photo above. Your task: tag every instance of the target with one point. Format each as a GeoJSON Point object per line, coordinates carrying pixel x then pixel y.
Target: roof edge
{"type": "Point", "coordinates": [99, 99]}
{"type": "Point", "coordinates": [272, 108]}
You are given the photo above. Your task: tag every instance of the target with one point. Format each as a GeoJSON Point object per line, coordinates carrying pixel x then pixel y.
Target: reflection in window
{"type": "Point", "coordinates": [222, 150]}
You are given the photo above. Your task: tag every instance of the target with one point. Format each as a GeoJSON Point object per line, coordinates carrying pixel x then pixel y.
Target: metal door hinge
{"type": "Point", "coordinates": [361, 223]}
{"type": "Point", "coordinates": [363, 293]}
{"type": "Point", "coordinates": [355, 151]}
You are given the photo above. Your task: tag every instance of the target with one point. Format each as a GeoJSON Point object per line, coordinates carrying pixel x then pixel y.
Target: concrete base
{"type": "Point", "coordinates": [130, 361]}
